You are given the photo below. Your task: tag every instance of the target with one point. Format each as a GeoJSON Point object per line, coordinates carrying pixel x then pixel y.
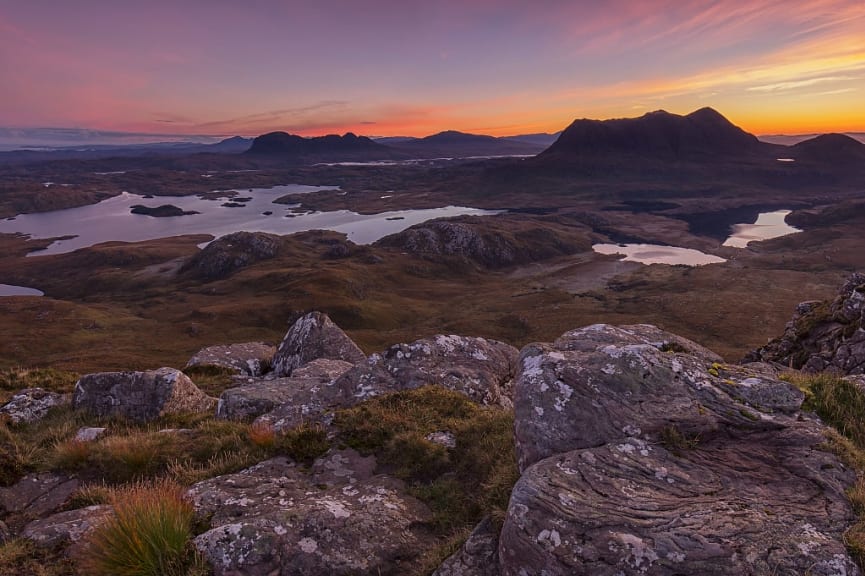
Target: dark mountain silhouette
{"type": "Point", "coordinates": [233, 145]}
{"type": "Point", "coordinates": [452, 143]}
{"type": "Point", "coordinates": [829, 149]}
{"type": "Point", "coordinates": [538, 139]}
{"type": "Point", "coordinates": [331, 148]}
{"type": "Point", "coordinates": [701, 134]}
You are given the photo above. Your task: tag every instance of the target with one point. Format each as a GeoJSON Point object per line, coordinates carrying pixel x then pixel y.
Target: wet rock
{"type": "Point", "coordinates": [481, 369]}
{"type": "Point", "coordinates": [232, 252]}
{"type": "Point", "coordinates": [338, 518]}
{"type": "Point", "coordinates": [36, 495]}
{"type": "Point", "coordinates": [823, 336]}
{"type": "Point", "coordinates": [643, 457]}
{"type": "Point", "coordinates": [311, 337]}
{"type": "Point", "coordinates": [140, 396]}
{"type": "Point", "coordinates": [287, 402]}
{"type": "Point", "coordinates": [478, 556]}
{"type": "Point", "coordinates": [32, 405]}
{"type": "Point", "coordinates": [249, 359]}
{"type": "Point", "coordinates": [66, 527]}
{"type": "Point", "coordinates": [89, 434]}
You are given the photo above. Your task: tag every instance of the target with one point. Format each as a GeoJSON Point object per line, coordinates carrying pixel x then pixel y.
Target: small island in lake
{"type": "Point", "coordinates": [164, 211]}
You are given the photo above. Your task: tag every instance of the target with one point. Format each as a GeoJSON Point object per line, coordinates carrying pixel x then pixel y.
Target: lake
{"type": "Point", "coordinates": [657, 254]}
{"type": "Point", "coordinates": [10, 290]}
{"type": "Point", "coordinates": [768, 225]}
{"type": "Point", "coordinates": [111, 220]}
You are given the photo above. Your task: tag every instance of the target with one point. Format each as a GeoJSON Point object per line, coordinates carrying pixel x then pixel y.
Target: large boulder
{"type": "Point", "coordinates": [823, 336]}
{"type": "Point", "coordinates": [65, 528]}
{"type": "Point", "coordinates": [338, 518]}
{"type": "Point", "coordinates": [642, 454]}
{"type": "Point", "coordinates": [481, 369]}
{"type": "Point", "coordinates": [36, 495]}
{"type": "Point", "coordinates": [314, 336]}
{"type": "Point", "coordinates": [305, 395]}
{"type": "Point", "coordinates": [248, 359]}
{"type": "Point", "coordinates": [140, 396]}
{"type": "Point", "coordinates": [32, 405]}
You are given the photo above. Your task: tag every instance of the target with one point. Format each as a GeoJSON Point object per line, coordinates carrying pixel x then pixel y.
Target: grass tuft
{"type": "Point", "coordinates": [148, 535]}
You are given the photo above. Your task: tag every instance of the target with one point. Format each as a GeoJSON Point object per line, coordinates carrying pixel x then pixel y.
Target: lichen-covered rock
{"type": "Point", "coordinates": [311, 337]}
{"type": "Point", "coordinates": [481, 369]}
{"type": "Point", "coordinates": [140, 396]}
{"type": "Point", "coordinates": [65, 527]}
{"type": "Point", "coordinates": [314, 396]}
{"type": "Point", "coordinates": [823, 336]}
{"type": "Point", "coordinates": [478, 556]}
{"type": "Point", "coordinates": [642, 454]}
{"type": "Point", "coordinates": [339, 518]}
{"type": "Point", "coordinates": [596, 384]}
{"type": "Point", "coordinates": [231, 252]}
{"type": "Point", "coordinates": [288, 402]}
{"type": "Point", "coordinates": [32, 405]}
{"type": "Point", "coordinates": [89, 434]}
{"type": "Point", "coordinates": [766, 503]}
{"type": "Point", "coordinates": [37, 494]}
{"type": "Point", "coordinates": [249, 359]}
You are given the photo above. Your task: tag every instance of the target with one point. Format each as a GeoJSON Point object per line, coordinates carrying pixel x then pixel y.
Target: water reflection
{"type": "Point", "coordinates": [768, 225]}
{"type": "Point", "coordinates": [657, 254]}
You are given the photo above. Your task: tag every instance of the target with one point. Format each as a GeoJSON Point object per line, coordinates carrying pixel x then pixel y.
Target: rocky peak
{"type": "Point", "coordinates": [823, 335]}
{"type": "Point", "coordinates": [231, 252]}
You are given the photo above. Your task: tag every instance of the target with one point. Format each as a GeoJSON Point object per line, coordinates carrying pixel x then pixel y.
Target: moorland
{"type": "Point", "coordinates": [659, 179]}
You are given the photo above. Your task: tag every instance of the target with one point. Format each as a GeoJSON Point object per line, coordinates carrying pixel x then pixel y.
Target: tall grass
{"type": "Point", "coordinates": [148, 535]}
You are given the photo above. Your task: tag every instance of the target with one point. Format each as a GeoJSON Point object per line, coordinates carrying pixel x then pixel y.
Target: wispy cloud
{"type": "Point", "coordinates": [795, 84]}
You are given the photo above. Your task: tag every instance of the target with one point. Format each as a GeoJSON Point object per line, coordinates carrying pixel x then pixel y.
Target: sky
{"type": "Point", "coordinates": [405, 67]}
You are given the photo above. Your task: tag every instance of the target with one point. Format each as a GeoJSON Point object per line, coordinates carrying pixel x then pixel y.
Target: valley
{"type": "Point", "coordinates": [525, 274]}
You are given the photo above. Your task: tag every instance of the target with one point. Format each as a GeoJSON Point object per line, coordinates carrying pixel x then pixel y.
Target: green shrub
{"type": "Point", "coordinates": [148, 535]}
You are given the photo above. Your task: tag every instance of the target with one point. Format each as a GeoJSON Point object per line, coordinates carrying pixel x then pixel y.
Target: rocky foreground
{"type": "Point", "coordinates": [640, 452]}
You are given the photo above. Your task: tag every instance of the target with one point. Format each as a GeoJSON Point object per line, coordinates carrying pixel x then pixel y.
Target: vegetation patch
{"type": "Point", "coordinates": [460, 484]}
{"type": "Point", "coordinates": [148, 535]}
{"type": "Point", "coordinates": [841, 404]}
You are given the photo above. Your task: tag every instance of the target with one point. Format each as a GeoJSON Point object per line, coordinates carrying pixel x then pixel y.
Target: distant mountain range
{"type": "Point", "coordinates": [701, 136]}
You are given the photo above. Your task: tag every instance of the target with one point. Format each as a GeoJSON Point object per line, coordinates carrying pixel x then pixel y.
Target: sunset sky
{"type": "Point", "coordinates": [400, 67]}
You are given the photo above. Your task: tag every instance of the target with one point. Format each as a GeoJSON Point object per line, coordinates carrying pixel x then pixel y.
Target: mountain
{"type": "Point", "coordinates": [702, 134]}
{"type": "Point", "coordinates": [330, 148]}
{"type": "Point", "coordinates": [543, 139]}
{"type": "Point", "coordinates": [453, 144]}
{"type": "Point", "coordinates": [829, 149]}
{"type": "Point", "coordinates": [233, 145]}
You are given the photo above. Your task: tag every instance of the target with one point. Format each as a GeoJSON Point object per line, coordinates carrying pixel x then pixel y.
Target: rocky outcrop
{"type": "Point", "coordinates": [290, 401]}
{"type": "Point", "coordinates": [67, 527]}
{"type": "Point", "coordinates": [314, 336]}
{"type": "Point", "coordinates": [230, 253]}
{"type": "Point", "coordinates": [643, 455]}
{"type": "Point", "coordinates": [478, 556]}
{"type": "Point", "coordinates": [492, 243]}
{"type": "Point", "coordinates": [32, 405]}
{"type": "Point", "coordinates": [338, 518]}
{"type": "Point", "coordinates": [823, 335]}
{"type": "Point", "coordinates": [249, 359]}
{"type": "Point", "coordinates": [481, 369]}
{"type": "Point", "coordinates": [140, 396]}
{"type": "Point", "coordinates": [313, 398]}
{"type": "Point", "coordinates": [36, 495]}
